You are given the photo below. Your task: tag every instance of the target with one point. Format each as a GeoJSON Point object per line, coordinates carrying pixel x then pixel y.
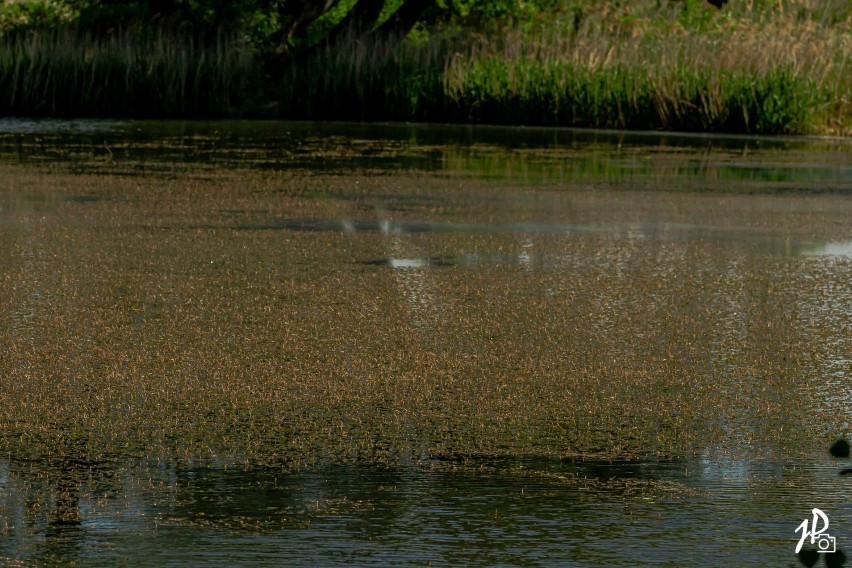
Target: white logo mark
{"type": "Point", "coordinates": [825, 542]}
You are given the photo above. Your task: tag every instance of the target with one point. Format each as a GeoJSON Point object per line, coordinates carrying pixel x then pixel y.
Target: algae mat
{"type": "Point", "coordinates": [288, 344]}
{"type": "Point", "coordinates": [353, 298]}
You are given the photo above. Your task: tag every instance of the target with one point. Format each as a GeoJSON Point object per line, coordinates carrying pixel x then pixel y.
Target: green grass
{"type": "Point", "coordinates": [755, 67]}
{"type": "Point", "coordinates": [619, 96]}
{"type": "Point", "coordinates": [764, 70]}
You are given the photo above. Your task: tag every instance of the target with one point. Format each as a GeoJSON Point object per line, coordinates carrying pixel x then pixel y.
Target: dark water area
{"type": "Point", "coordinates": [509, 513]}
{"type": "Point", "coordinates": [533, 154]}
{"type": "Point", "coordinates": [263, 343]}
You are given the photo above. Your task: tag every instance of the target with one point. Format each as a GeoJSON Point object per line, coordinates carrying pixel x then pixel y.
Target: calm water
{"type": "Point", "coordinates": [275, 344]}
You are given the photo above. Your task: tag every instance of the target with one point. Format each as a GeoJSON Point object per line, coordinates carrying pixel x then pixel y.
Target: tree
{"type": "Point", "coordinates": [295, 16]}
{"type": "Point", "coordinates": [278, 28]}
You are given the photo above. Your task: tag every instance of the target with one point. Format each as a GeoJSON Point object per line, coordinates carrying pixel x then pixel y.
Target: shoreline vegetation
{"type": "Point", "coordinates": [780, 67]}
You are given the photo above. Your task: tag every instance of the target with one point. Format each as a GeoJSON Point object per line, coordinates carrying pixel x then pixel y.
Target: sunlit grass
{"type": "Point", "coordinates": [762, 71]}
{"type": "Point", "coordinates": [753, 67]}
{"type": "Point", "coordinates": [750, 69]}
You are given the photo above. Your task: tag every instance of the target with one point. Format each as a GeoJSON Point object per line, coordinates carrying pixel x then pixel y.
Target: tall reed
{"type": "Point", "coordinates": [756, 67]}
{"type": "Point", "coordinates": [735, 75]}
{"type": "Point", "coordinates": [759, 67]}
{"type": "Point", "coordinates": [376, 79]}
{"type": "Point", "coordinates": [167, 74]}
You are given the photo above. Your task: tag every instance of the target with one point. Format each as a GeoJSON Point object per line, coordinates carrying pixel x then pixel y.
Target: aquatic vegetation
{"type": "Point", "coordinates": [376, 80]}
{"type": "Point", "coordinates": [758, 71]}
{"type": "Point", "coordinates": [629, 97]}
{"type": "Point", "coordinates": [184, 317]}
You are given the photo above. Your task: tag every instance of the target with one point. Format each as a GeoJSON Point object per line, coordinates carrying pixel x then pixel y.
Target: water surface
{"type": "Point", "coordinates": [267, 343]}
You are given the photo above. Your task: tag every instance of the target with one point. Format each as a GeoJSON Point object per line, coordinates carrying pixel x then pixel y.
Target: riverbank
{"type": "Point", "coordinates": [741, 70]}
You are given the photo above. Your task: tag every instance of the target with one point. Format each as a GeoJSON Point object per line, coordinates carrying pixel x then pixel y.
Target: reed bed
{"type": "Point", "coordinates": [376, 80]}
{"type": "Point", "coordinates": [755, 67]}
{"type": "Point", "coordinates": [64, 73]}
{"type": "Point", "coordinates": [779, 76]}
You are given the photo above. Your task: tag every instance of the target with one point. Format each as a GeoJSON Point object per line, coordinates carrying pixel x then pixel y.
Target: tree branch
{"type": "Point", "coordinates": [357, 23]}
{"type": "Point", "coordinates": [401, 22]}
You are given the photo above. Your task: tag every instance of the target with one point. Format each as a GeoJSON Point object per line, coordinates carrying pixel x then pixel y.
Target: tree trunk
{"type": "Point", "coordinates": [357, 23]}
{"type": "Point", "coordinates": [398, 25]}
{"type": "Point", "coordinates": [294, 16]}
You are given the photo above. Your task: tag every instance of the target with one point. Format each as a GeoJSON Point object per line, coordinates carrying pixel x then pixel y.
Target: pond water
{"type": "Point", "coordinates": [264, 343]}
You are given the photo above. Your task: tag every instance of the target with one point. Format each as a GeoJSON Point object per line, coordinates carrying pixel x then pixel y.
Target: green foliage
{"type": "Point", "coordinates": [325, 23]}
{"type": "Point", "coordinates": [201, 16]}
{"type": "Point", "coordinates": [660, 64]}
{"type": "Point", "coordinates": [777, 102]}
{"type": "Point", "coordinates": [494, 16]}
{"type": "Point", "coordinates": [567, 94]}
{"type": "Point", "coordinates": [22, 16]}
{"type": "Point", "coordinates": [696, 15]}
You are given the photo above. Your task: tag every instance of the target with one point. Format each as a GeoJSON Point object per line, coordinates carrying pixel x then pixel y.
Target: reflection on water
{"type": "Point", "coordinates": [768, 241]}
{"type": "Point", "coordinates": [412, 280]}
{"type": "Point", "coordinates": [267, 343]}
{"type": "Point", "coordinates": [644, 159]}
{"type": "Point", "coordinates": [510, 512]}
{"type": "Point", "coordinates": [842, 249]}
{"type": "Point", "coordinates": [825, 305]}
